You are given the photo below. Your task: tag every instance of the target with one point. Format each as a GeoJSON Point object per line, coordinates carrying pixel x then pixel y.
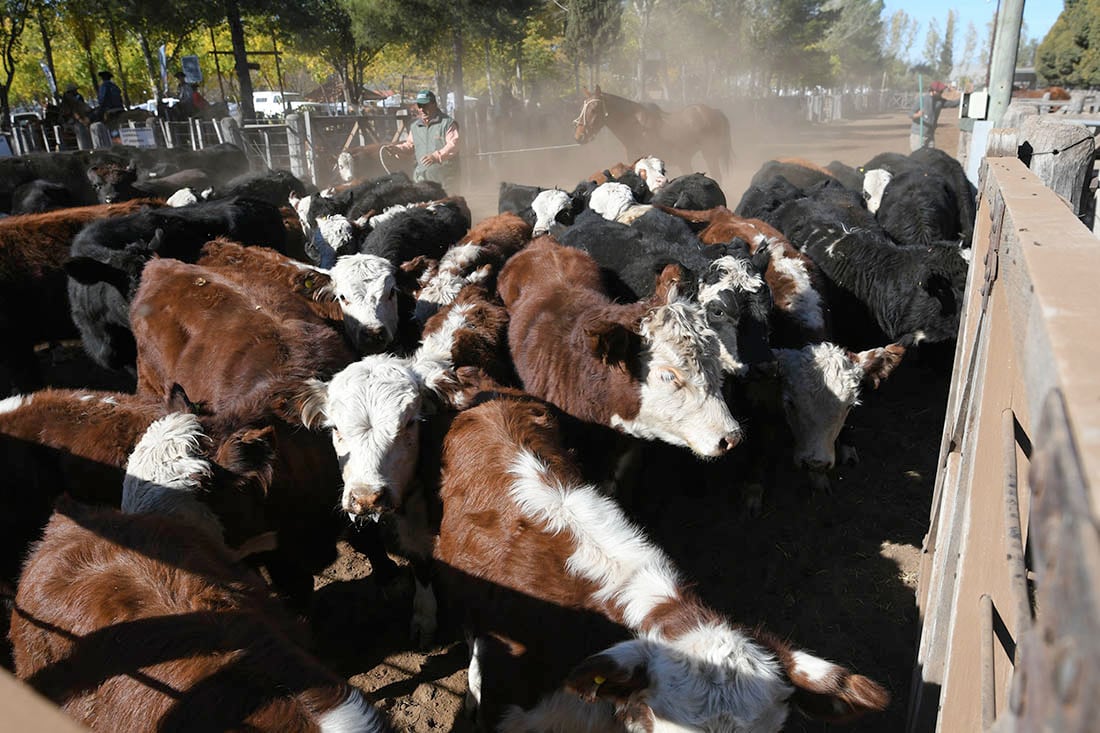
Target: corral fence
{"type": "Point", "coordinates": [307, 144]}
{"type": "Point", "coordinates": [1009, 589]}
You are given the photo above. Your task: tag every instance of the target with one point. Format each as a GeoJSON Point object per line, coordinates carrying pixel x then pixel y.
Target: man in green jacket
{"type": "Point", "coordinates": [434, 137]}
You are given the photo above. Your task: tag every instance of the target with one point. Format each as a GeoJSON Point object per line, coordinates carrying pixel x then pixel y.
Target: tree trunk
{"type": "Point", "coordinates": [240, 57]}
{"type": "Point", "coordinates": [150, 67]}
{"type": "Point", "coordinates": [488, 71]}
{"type": "Point", "coordinates": [460, 88]}
{"type": "Point", "coordinates": [118, 61]}
{"type": "Point", "coordinates": [47, 47]}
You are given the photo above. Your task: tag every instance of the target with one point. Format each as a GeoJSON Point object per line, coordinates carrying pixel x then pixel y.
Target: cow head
{"type": "Point", "coordinates": [373, 408]}
{"type": "Point", "coordinates": [718, 678]}
{"type": "Point", "coordinates": [652, 171]}
{"type": "Point", "coordinates": [875, 182]}
{"type": "Point", "coordinates": [366, 288]}
{"type": "Point", "coordinates": [550, 206]}
{"type": "Point", "coordinates": [120, 268]}
{"type": "Point", "coordinates": [820, 384]}
{"type": "Point", "coordinates": [736, 301]}
{"type": "Point", "coordinates": [345, 166]}
{"type": "Point", "coordinates": [113, 182]}
{"type": "Point", "coordinates": [681, 401]}
{"type": "Point", "coordinates": [611, 200]}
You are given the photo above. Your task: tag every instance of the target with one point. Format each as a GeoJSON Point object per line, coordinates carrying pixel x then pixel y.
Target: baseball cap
{"type": "Point", "coordinates": [425, 96]}
{"type": "Point", "coordinates": [937, 86]}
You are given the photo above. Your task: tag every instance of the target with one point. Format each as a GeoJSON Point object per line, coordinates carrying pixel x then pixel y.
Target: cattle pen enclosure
{"type": "Point", "coordinates": [839, 572]}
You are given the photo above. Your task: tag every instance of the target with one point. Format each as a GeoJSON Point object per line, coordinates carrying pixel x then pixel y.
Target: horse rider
{"type": "Point", "coordinates": [434, 138]}
{"type": "Point", "coordinates": [109, 98]}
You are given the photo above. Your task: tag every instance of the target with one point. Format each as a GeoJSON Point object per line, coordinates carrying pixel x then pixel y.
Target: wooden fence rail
{"type": "Point", "coordinates": [1010, 576]}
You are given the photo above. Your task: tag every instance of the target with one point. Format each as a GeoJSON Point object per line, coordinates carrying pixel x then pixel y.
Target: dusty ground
{"type": "Point", "coordinates": [834, 572]}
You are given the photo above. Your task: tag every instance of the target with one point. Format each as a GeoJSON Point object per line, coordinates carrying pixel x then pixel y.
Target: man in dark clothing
{"type": "Point", "coordinates": [926, 115]}
{"type": "Point", "coordinates": [434, 137]}
{"type": "Point", "coordinates": [109, 98]}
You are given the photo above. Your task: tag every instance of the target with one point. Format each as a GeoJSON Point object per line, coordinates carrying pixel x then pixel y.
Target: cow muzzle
{"type": "Point", "coordinates": [362, 502]}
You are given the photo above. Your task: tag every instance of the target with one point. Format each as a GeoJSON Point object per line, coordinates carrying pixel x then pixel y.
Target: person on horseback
{"type": "Point", "coordinates": [72, 108]}
{"type": "Point", "coordinates": [434, 138]}
{"type": "Point", "coordinates": [109, 98]}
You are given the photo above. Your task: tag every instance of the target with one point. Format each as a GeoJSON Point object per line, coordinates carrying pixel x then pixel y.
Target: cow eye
{"type": "Point", "coordinates": [669, 375]}
{"type": "Point", "coordinates": [343, 299]}
{"type": "Point", "coordinates": [717, 312]}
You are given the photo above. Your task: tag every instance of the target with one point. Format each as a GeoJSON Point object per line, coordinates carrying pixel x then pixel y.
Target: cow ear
{"type": "Point", "coordinates": [602, 677]}
{"type": "Point", "coordinates": [311, 402]}
{"type": "Point", "coordinates": [939, 287]}
{"type": "Point", "coordinates": [827, 691]}
{"type": "Point", "coordinates": [878, 364]}
{"type": "Point", "coordinates": [178, 401]}
{"type": "Point", "coordinates": [249, 453]}
{"type": "Point", "coordinates": [610, 342]}
{"type": "Point", "coordinates": [671, 284]}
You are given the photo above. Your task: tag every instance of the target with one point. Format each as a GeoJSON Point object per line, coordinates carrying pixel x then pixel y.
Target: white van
{"type": "Point", "coordinates": [273, 104]}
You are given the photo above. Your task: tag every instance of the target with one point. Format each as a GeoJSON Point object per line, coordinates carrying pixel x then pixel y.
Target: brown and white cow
{"type": "Point", "coordinates": [648, 369]}
{"type": "Point", "coordinates": [799, 313]}
{"type": "Point", "coordinates": [138, 622]}
{"type": "Point", "coordinates": [554, 583]}
{"type": "Point", "coordinates": [820, 383]}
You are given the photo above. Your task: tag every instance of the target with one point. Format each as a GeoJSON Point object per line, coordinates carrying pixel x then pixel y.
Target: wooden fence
{"type": "Point", "coordinates": [1010, 576]}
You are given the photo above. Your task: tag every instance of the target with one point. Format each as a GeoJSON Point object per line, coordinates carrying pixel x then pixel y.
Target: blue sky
{"type": "Point", "coordinates": [1039, 15]}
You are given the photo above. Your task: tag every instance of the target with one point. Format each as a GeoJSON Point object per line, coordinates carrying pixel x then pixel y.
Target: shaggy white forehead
{"type": "Point", "coordinates": [547, 205]}
{"type": "Point", "coordinates": [168, 454]}
{"type": "Point", "coordinates": [374, 393]}
{"type": "Point", "coordinates": [343, 164]}
{"type": "Point", "coordinates": [737, 273]}
{"type": "Point", "coordinates": [678, 333]}
{"type": "Point", "coordinates": [823, 367]}
{"type": "Point", "coordinates": [609, 200]}
{"type": "Point", "coordinates": [654, 171]}
{"type": "Point", "coordinates": [336, 230]}
{"type": "Point", "coordinates": [874, 184]}
{"type": "Point", "coordinates": [357, 277]}
{"type": "Point", "coordinates": [302, 206]}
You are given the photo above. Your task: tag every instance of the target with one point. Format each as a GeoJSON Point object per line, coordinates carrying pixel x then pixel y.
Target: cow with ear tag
{"type": "Point", "coordinates": [648, 369]}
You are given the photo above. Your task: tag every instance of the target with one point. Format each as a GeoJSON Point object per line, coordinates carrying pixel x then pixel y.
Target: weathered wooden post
{"type": "Point", "coordinates": [1061, 154]}
{"type": "Point", "coordinates": [101, 136]}
{"type": "Point", "coordinates": [231, 131]}
{"type": "Point", "coordinates": [296, 145]}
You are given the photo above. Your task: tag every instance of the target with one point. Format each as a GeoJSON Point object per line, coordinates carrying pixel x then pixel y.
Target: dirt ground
{"type": "Point", "coordinates": [834, 572]}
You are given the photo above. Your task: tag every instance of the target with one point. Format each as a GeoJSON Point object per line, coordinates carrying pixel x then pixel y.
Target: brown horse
{"type": "Point", "coordinates": [645, 129]}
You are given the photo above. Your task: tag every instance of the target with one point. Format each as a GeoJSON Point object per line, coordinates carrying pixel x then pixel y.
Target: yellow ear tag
{"type": "Point", "coordinates": [599, 680]}
{"type": "Point", "coordinates": [309, 284]}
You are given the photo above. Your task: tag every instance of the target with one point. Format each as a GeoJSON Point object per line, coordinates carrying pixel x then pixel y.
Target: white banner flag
{"type": "Point", "coordinates": [162, 53]}
{"type": "Point", "coordinates": [50, 81]}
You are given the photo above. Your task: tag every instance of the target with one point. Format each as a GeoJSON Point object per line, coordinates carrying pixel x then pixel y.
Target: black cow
{"type": "Point", "coordinates": [919, 206]}
{"type": "Point", "coordinates": [107, 258]}
{"type": "Point", "coordinates": [272, 186]}
{"type": "Point", "coordinates": [418, 231]}
{"type": "Point", "coordinates": [38, 196]}
{"type": "Point", "coordinates": [758, 202]}
{"type": "Point", "coordinates": [913, 292]}
{"type": "Point", "coordinates": [693, 191]}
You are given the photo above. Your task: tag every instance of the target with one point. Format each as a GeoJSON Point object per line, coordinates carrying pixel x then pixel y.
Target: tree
{"type": "Point", "coordinates": [854, 38]}
{"type": "Point", "coordinates": [12, 24]}
{"type": "Point", "coordinates": [932, 45]}
{"type": "Point", "coordinates": [1070, 53]}
{"type": "Point", "coordinates": [947, 49]}
{"type": "Point", "coordinates": [592, 28]}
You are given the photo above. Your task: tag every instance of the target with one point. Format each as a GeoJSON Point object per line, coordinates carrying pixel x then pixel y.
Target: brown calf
{"type": "Point", "coordinates": [137, 622]}
{"type": "Point", "coordinates": [554, 583]}
{"type": "Point", "coordinates": [648, 369]}
{"type": "Point", "coordinates": [34, 299]}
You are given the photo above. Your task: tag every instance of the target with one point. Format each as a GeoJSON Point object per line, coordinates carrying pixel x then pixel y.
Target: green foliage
{"type": "Point", "coordinates": [592, 29]}
{"type": "Point", "coordinates": [1070, 53]}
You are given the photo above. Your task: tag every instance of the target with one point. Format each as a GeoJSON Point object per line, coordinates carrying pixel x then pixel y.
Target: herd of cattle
{"type": "Point", "coordinates": [366, 362]}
